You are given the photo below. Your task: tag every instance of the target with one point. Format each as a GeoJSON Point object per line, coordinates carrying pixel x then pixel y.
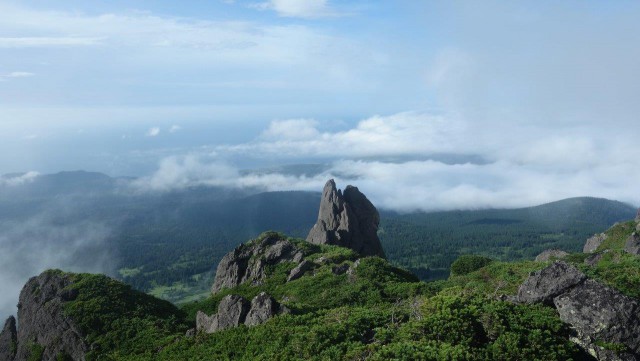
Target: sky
{"type": "Point", "coordinates": [423, 104]}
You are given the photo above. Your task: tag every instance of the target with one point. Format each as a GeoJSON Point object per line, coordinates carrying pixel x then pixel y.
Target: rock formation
{"type": "Point", "coordinates": [347, 220]}
{"type": "Point", "coordinates": [550, 254]}
{"type": "Point", "coordinates": [632, 245]}
{"type": "Point", "coordinates": [544, 285]}
{"type": "Point", "coordinates": [638, 215]}
{"type": "Point", "coordinates": [8, 339]}
{"type": "Point", "coordinates": [234, 311]}
{"type": "Point", "coordinates": [594, 242]}
{"type": "Point", "coordinates": [247, 262]}
{"type": "Point", "coordinates": [42, 322]}
{"type": "Point", "coordinates": [595, 312]}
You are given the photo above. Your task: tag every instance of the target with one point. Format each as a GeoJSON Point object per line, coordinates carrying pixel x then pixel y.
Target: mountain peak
{"type": "Point", "coordinates": [348, 220]}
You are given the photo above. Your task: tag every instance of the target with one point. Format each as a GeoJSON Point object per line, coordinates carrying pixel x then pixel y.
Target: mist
{"type": "Point", "coordinates": [44, 240]}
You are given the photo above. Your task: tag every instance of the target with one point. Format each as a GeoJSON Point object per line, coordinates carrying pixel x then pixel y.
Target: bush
{"type": "Point", "coordinates": [468, 263]}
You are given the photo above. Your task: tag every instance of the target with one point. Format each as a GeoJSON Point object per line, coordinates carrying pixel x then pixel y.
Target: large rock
{"type": "Point", "coordinates": [234, 311]}
{"type": "Point", "coordinates": [549, 254]}
{"type": "Point", "coordinates": [596, 313]}
{"type": "Point", "coordinates": [42, 320]}
{"type": "Point", "coordinates": [247, 262]}
{"type": "Point", "coordinates": [544, 285]}
{"type": "Point", "coordinates": [299, 270]}
{"type": "Point", "coordinates": [263, 307]}
{"type": "Point", "coordinates": [8, 339]}
{"type": "Point", "coordinates": [348, 220]}
{"type": "Point", "coordinates": [632, 245]}
{"type": "Point", "coordinates": [599, 313]}
{"type": "Point", "coordinates": [594, 242]}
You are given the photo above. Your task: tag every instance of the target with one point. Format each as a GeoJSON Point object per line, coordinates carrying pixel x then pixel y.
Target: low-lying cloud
{"type": "Point", "coordinates": [393, 159]}
{"type": "Point", "coordinates": [30, 246]}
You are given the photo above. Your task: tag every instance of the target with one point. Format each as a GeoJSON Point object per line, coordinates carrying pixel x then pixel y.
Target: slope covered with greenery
{"type": "Point", "coordinates": [377, 312]}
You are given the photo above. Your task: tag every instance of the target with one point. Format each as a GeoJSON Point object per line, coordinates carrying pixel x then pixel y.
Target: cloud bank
{"type": "Point", "coordinates": [398, 162]}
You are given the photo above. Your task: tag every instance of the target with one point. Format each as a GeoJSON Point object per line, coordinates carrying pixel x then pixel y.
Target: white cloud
{"type": "Point", "coordinates": [292, 129]}
{"type": "Point", "coordinates": [153, 132]}
{"type": "Point", "coordinates": [297, 8]}
{"type": "Point", "coordinates": [32, 42]}
{"type": "Point", "coordinates": [19, 179]}
{"type": "Point", "coordinates": [175, 128]}
{"type": "Point", "coordinates": [408, 133]}
{"type": "Point", "coordinates": [19, 74]}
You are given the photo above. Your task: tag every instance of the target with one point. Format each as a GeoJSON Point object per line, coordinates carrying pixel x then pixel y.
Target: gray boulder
{"type": "Point", "coordinates": [594, 242]}
{"type": "Point", "coordinates": [632, 245]}
{"type": "Point", "coordinates": [247, 262]}
{"type": "Point", "coordinates": [596, 313]}
{"type": "Point", "coordinates": [348, 220]}
{"type": "Point", "coordinates": [232, 312]}
{"type": "Point", "coordinates": [593, 259]}
{"type": "Point", "coordinates": [8, 339]}
{"type": "Point", "coordinates": [550, 254]}
{"type": "Point", "coordinates": [544, 285]}
{"type": "Point", "coordinates": [42, 319]}
{"type": "Point", "coordinates": [263, 307]}
{"type": "Point", "coordinates": [599, 313]}
{"type": "Point", "coordinates": [299, 270]}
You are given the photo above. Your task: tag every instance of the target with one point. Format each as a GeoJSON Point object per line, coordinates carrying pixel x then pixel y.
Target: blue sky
{"type": "Point", "coordinates": [545, 93]}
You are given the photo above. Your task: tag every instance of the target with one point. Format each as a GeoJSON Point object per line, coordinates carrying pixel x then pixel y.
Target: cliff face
{"type": "Point", "coordinates": [348, 220]}
{"type": "Point", "coordinates": [43, 327]}
{"type": "Point", "coordinates": [8, 339]}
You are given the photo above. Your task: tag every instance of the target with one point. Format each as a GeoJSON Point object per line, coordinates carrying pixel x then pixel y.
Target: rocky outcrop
{"type": "Point", "coordinates": [299, 270]}
{"type": "Point", "coordinates": [348, 220]}
{"type": "Point", "coordinates": [549, 254]}
{"type": "Point", "coordinates": [232, 312]}
{"type": "Point", "coordinates": [594, 242]}
{"type": "Point", "coordinates": [247, 262]}
{"type": "Point", "coordinates": [544, 285]}
{"type": "Point", "coordinates": [235, 310]}
{"type": "Point", "coordinates": [632, 245]}
{"type": "Point", "coordinates": [42, 322]}
{"type": "Point", "coordinates": [638, 215]}
{"type": "Point", "coordinates": [8, 339]}
{"type": "Point", "coordinates": [597, 314]}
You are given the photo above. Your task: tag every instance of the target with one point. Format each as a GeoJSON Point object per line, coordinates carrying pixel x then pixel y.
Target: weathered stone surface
{"type": "Point", "coordinates": [263, 307]}
{"type": "Point", "coordinates": [544, 285]}
{"type": "Point", "coordinates": [593, 259]}
{"type": "Point", "coordinates": [299, 270]}
{"type": "Point", "coordinates": [638, 215]}
{"type": "Point", "coordinates": [247, 262]}
{"type": "Point", "coordinates": [42, 320]}
{"type": "Point", "coordinates": [340, 269]}
{"type": "Point", "coordinates": [594, 242]}
{"type": "Point", "coordinates": [550, 254]}
{"type": "Point", "coordinates": [596, 313]}
{"type": "Point", "coordinates": [232, 311]}
{"type": "Point", "coordinates": [632, 245]}
{"type": "Point", "coordinates": [599, 313]}
{"type": "Point", "coordinates": [8, 339]}
{"type": "Point", "coordinates": [348, 220]}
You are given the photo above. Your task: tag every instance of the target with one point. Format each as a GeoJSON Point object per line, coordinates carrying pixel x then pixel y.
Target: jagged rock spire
{"type": "Point", "coordinates": [348, 220]}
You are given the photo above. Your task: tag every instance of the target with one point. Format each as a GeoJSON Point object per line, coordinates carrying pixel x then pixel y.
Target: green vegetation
{"type": "Point", "coordinates": [377, 312]}
{"type": "Point", "coordinates": [35, 352]}
{"type": "Point", "coordinates": [468, 263]}
{"type": "Point", "coordinates": [118, 320]}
